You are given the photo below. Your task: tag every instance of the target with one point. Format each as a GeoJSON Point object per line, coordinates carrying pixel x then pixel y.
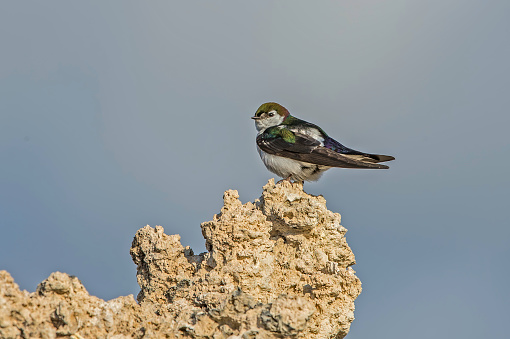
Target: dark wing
{"type": "Point", "coordinates": [334, 145]}
{"type": "Point", "coordinates": [307, 149]}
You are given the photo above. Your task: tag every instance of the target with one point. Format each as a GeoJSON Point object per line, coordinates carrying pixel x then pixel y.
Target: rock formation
{"type": "Point", "coordinates": [276, 268]}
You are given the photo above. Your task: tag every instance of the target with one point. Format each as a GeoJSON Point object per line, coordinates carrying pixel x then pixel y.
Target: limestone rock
{"type": "Point", "coordinates": [276, 268]}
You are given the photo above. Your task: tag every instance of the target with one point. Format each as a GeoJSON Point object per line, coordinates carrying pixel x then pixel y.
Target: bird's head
{"type": "Point", "coordinates": [269, 114]}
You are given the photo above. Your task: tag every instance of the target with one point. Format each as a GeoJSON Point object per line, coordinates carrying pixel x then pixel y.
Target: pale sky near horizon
{"type": "Point", "coordinates": [118, 114]}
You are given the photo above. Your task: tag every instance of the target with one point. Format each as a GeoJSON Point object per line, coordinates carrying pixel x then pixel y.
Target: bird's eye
{"type": "Point", "coordinates": [270, 114]}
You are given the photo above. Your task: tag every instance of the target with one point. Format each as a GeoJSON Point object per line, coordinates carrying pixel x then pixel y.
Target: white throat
{"type": "Point", "coordinates": [262, 124]}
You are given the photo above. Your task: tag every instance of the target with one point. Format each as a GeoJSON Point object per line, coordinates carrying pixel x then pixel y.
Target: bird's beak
{"type": "Point", "coordinates": [255, 118]}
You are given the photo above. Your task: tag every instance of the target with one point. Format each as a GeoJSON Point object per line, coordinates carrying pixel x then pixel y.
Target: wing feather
{"type": "Point", "coordinates": [308, 149]}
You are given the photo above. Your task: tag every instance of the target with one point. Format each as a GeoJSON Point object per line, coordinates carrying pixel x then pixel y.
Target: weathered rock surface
{"type": "Point", "coordinates": [276, 268]}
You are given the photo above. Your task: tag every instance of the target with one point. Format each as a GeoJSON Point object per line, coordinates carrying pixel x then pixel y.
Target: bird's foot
{"type": "Point", "coordinates": [286, 179]}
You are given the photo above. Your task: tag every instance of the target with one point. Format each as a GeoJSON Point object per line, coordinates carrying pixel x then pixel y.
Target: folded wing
{"type": "Point", "coordinates": [307, 149]}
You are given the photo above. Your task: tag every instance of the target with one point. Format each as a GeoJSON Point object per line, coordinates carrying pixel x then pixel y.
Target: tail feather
{"type": "Point", "coordinates": [381, 158]}
{"type": "Point", "coordinates": [334, 145]}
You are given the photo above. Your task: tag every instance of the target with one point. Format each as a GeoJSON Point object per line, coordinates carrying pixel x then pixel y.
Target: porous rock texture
{"type": "Point", "coordinates": [276, 268]}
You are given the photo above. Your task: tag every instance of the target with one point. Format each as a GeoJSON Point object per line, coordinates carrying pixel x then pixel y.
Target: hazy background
{"type": "Point", "coordinates": [118, 114]}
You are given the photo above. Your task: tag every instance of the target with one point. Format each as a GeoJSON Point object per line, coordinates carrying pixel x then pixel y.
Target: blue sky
{"type": "Point", "coordinates": [118, 114]}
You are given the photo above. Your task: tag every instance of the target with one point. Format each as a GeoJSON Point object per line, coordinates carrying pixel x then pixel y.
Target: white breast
{"type": "Point", "coordinates": [296, 170]}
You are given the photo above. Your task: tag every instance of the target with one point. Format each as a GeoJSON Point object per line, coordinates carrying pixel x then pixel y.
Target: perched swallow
{"type": "Point", "coordinates": [298, 150]}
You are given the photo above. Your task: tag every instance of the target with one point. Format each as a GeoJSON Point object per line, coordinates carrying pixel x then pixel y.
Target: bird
{"type": "Point", "coordinates": [300, 151]}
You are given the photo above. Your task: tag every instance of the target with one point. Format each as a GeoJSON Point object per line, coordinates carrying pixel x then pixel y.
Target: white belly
{"type": "Point", "coordinates": [296, 170]}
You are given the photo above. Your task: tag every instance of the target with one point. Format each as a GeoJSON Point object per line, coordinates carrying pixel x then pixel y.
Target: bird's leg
{"type": "Point", "coordinates": [285, 179]}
